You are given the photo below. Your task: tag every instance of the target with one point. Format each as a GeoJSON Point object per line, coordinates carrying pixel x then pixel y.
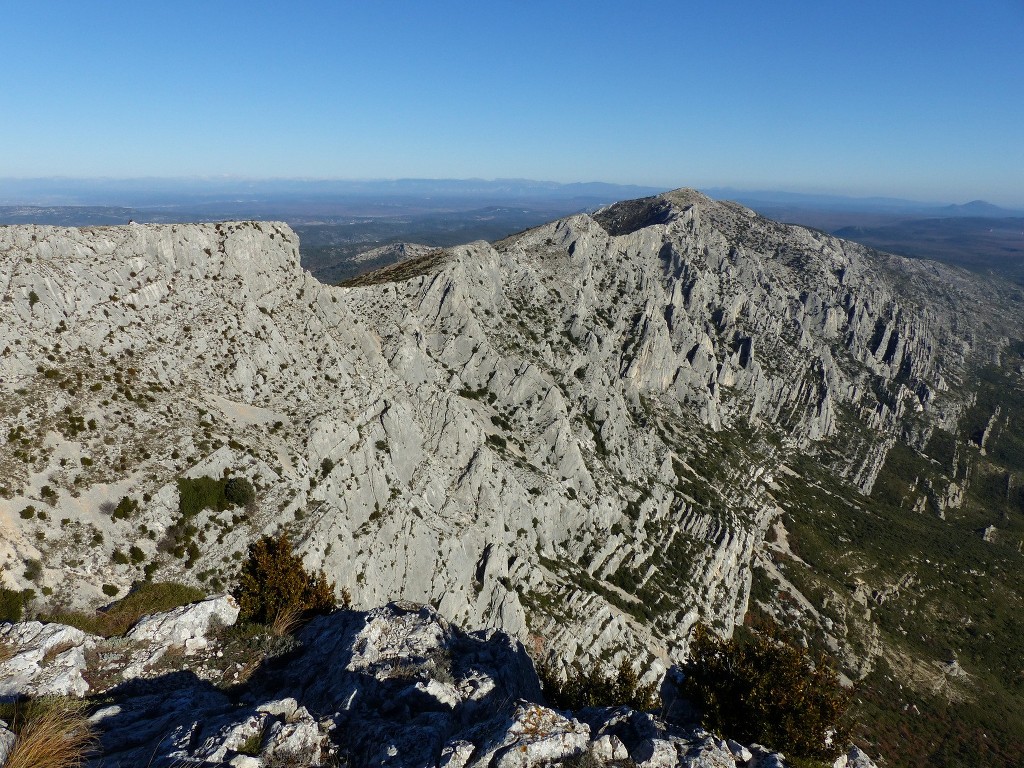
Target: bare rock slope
{"type": "Point", "coordinates": [573, 434]}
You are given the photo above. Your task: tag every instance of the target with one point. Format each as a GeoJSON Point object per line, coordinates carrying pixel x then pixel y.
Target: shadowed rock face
{"type": "Point", "coordinates": [572, 434]}
{"type": "Point", "coordinates": [627, 218]}
{"type": "Point", "coordinates": [395, 686]}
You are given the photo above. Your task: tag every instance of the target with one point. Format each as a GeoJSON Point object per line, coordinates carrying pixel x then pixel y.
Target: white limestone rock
{"type": "Point", "coordinates": [854, 758]}
{"type": "Point", "coordinates": [186, 628]}
{"type": "Point", "coordinates": [536, 736]}
{"type": "Point", "coordinates": [188, 625]}
{"type": "Point", "coordinates": [46, 660]}
{"type": "Point", "coordinates": [512, 431]}
{"type": "Point", "coordinates": [7, 740]}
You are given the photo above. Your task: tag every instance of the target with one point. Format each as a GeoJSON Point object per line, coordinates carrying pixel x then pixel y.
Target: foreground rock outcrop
{"type": "Point", "coordinates": [395, 686]}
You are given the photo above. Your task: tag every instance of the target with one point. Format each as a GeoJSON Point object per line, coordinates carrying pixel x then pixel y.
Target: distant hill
{"type": "Point", "coordinates": [979, 244]}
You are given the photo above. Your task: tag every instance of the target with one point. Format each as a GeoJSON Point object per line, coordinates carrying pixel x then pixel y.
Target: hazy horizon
{"type": "Point", "coordinates": [134, 191]}
{"type": "Point", "coordinates": [913, 100]}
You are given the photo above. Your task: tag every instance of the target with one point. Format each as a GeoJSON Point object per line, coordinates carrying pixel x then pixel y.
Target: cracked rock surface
{"type": "Point", "coordinates": [572, 434]}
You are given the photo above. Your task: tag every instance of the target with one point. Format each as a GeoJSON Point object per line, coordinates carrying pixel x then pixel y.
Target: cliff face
{"type": "Point", "coordinates": [574, 434]}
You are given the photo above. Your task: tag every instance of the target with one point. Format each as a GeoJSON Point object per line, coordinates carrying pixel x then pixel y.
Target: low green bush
{"type": "Point", "coordinates": [598, 688]}
{"type": "Point", "coordinates": [767, 691]}
{"type": "Point", "coordinates": [239, 491]}
{"type": "Point", "coordinates": [125, 508]}
{"type": "Point", "coordinates": [13, 602]}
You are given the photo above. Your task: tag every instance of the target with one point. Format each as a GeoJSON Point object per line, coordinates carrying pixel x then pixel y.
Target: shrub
{"type": "Point", "coordinates": [199, 493]}
{"type": "Point", "coordinates": [274, 581]}
{"type": "Point", "coordinates": [33, 569]}
{"type": "Point", "coordinates": [239, 491]}
{"type": "Point", "coordinates": [12, 603]}
{"type": "Point", "coordinates": [28, 512]}
{"type": "Point", "coordinates": [326, 466]}
{"type": "Point", "coordinates": [110, 590]}
{"type": "Point", "coordinates": [125, 508]}
{"type": "Point", "coordinates": [598, 688]}
{"type": "Point", "coordinates": [767, 691]}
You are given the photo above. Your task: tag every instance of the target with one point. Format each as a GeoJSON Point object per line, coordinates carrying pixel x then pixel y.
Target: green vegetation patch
{"type": "Point", "coordinates": [13, 602]}
{"type": "Point", "coordinates": [765, 690]}
{"type": "Point", "coordinates": [403, 270]}
{"type": "Point", "coordinates": [944, 591]}
{"type": "Point", "coordinates": [144, 599]}
{"type": "Point", "coordinates": [596, 687]}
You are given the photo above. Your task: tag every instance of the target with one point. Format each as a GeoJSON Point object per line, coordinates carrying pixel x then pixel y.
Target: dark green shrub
{"type": "Point", "coordinates": [13, 602]}
{"type": "Point", "coordinates": [326, 466]}
{"type": "Point", "coordinates": [239, 491]}
{"type": "Point", "coordinates": [767, 691]}
{"type": "Point", "coordinates": [33, 569]}
{"type": "Point", "coordinates": [110, 590]}
{"type": "Point", "coordinates": [119, 557]}
{"type": "Point", "coordinates": [273, 581]}
{"type": "Point", "coordinates": [198, 493]}
{"type": "Point", "coordinates": [598, 688]}
{"type": "Point", "coordinates": [136, 555]}
{"type": "Point", "coordinates": [28, 512]}
{"type": "Point", "coordinates": [125, 508]}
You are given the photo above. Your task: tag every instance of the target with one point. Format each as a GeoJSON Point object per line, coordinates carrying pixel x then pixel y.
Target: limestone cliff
{"type": "Point", "coordinates": [573, 434]}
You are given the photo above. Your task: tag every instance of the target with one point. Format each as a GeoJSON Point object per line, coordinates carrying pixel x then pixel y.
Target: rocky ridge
{"type": "Point", "coordinates": [395, 686]}
{"type": "Point", "coordinates": [574, 434]}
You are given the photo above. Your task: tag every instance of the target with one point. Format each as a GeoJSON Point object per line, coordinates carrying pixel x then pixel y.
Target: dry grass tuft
{"type": "Point", "coordinates": [286, 620]}
{"type": "Point", "coordinates": [7, 652]}
{"type": "Point", "coordinates": [246, 671]}
{"type": "Point", "coordinates": [56, 735]}
{"type": "Point", "coordinates": [57, 650]}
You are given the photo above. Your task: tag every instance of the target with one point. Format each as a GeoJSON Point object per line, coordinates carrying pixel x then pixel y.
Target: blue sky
{"type": "Point", "coordinates": [911, 99]}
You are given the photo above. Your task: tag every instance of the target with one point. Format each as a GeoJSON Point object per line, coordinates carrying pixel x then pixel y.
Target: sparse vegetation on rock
{"type": "Point", "coordinates": [144, 598]}
{"type": "Point", "coordinates": [768, 691]}
{"type": "Point", "coordinates": [598, 687]}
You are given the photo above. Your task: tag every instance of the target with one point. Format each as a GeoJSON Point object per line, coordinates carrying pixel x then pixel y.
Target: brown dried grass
{"type": "Point", "coordinates": [286, 620]}
{"type": "Point", "coordinates": [7, 652]}
{"type": "Point", "coordinates": [58, 735]}
{"type": "Point", "coordinates": [50, 656]}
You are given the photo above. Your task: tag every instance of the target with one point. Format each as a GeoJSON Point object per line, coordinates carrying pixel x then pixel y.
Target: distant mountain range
{"type": "Point", "coordinates": [430, 193]}
{"type": "Point", "coordinates": [591, 434]}
{"type": "Point", "coordinates": [144, 192]}
{"type": "Point", "coordinates": [892, 206]}
{"type": "Point", "coordinates": [337, 220]}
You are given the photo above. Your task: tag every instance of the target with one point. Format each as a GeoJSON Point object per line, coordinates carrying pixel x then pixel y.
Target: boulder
{"type": "Point", "coordinates": [46, 660]}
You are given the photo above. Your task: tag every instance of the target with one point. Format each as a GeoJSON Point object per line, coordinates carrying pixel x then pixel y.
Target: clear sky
{"type": "Point", "coordinates": [902, 97]}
